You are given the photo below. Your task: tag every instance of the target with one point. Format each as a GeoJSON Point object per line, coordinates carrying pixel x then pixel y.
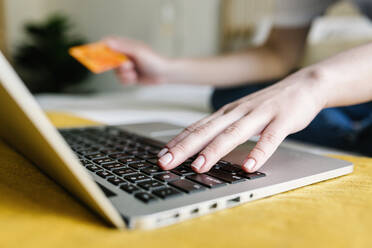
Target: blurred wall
{"type": "Point", "coordinates": [171, 27]}
{"type": "Point", "coordinates": [17, 12]}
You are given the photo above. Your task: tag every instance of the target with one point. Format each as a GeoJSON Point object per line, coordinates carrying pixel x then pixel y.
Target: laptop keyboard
{"type": "Point", "coordinates": [129, 162]}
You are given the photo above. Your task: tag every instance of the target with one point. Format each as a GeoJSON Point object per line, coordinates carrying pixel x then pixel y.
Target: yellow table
{"type": "Point", "coordinates": [35, 212]}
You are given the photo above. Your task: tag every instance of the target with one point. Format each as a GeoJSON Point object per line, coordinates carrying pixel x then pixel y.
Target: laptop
{"type": "Point", "coordinates": [113, 169]}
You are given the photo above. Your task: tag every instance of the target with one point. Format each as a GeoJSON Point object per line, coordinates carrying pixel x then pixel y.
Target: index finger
{"type": "Point", "coordinates": [187, 131]}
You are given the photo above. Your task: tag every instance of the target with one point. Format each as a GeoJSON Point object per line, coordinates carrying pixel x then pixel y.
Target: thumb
{"type": "Point", "coordinates": [122, 45]}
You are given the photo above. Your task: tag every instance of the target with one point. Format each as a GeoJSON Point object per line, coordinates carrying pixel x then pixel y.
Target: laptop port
{"type": "Point", "coordinates": [213, 206]}
{"type": "Point", "coordinates": [169, 218]}
{"type": "Point", "coordinates": [194, 211]}
{"type": "Point", "coordinates": [233, 201]}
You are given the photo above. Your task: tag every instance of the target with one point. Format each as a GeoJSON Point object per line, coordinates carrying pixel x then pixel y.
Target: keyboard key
{"type": "Point", "coordinates": [147, 185]}
{"type": "Point", "coordinates": [153, 170]}
{"type": "Point", "coordinates": [223, 162]}
{"type": "Point", "coordinates": [153, 161]}
{"type": "Point", "coordinates": [124, 171]}
{"type": "Point", "coordinates": [225, 176]}
{"type": "Point", "coordinates": [103, 160]}
{"type": "Point", "coordinates": [130, 150]}
{"type": "Point", "coordinates": [187, 164]}
{"type": "Point", "coordinates": [129, 188]}
{"type": "Point", "coordinates": [109, 145]}
{"type": "Point", "coordinates": [88, 145]}
{"type": "Point", "coordinates": [166, 192]}
{"type": "Point", "coordinates": [80, 157]}
{"type": "Point", "coordinates": [93, 168]}
{"type": "Point", "coordinates": [145, 197]}
{"type": "Point", "coordinates": [118, 148]}
{"type": "Point", "coordinates": [230, 168]}
{"type": "Point", "coordinates": [187, 186]}
{"type": "Point", "coordinates": [120, 155]}
{"type": "Point", "coordinates": [85, 162]}
{"type": "Point", "coordinates": [253, 175]}
{"type": "Point", "coordinates": [109, 151]}
{"type": "Point", "coordinates": [167, 177]}
{"type": "Point", "coordinates": [132, 146]}
{"type": "Point", "coordinates": [130, 160]}
{"type": "Point", "coordinates": [154, 151]}
{"type": "Point", "coordinates": [113, 165]}
{"type": "Point", "coordinates": [95, 156]}
{"type": "Point", "coordinates": [206, 180]}
{"type": "Point", "coordinates": [145, 156]}
{"type": "Point", "coordinates": [136, 150]}
{"type": "Point", "coordinates": [189, 160]}
{"type": "Point", "coordinates": [85, 152]}
{"type": "Point", "coordinates": [104, 174]}
{"type": "Point", "coordinates": [136, 178]}
{"type": "Point", "coordinates": [116, 180]}
{"type": "Point", "coordinates": [183, 171]}
{"type": "Point", "coordinates": [140, 165]}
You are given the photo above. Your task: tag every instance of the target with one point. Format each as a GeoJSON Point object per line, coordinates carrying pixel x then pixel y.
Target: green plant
{"type": "Point", "coordinates": [43, 60]}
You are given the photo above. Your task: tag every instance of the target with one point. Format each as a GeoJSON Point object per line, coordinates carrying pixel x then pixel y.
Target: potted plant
{"type": "Point", "coordinates": [43, 60]}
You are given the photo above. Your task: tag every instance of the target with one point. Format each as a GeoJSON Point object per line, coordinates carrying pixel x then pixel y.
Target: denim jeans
{"type": "Point", "coordinates": [332, 127]}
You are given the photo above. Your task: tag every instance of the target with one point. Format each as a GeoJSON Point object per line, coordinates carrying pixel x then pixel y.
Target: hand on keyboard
{"type": "Point", "coordinates": [273, 113]}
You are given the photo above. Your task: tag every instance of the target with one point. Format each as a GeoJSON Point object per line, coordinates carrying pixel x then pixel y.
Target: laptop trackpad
{"type": "Point", "coordinates": [155, 130]}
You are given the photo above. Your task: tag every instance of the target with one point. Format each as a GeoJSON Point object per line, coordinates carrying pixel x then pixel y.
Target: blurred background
{"type": "Point", "coordinates": [176, 28]}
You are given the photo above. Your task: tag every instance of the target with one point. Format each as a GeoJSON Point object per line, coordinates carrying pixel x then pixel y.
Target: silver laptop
{"type": "Point", "coordinates": [113, 171]}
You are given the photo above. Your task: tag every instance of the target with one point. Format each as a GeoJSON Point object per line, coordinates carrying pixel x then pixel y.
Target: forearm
{"type": "Point", "coordinates": [254, 65]}
{"type": "Point", "coordinates": [345, 79]}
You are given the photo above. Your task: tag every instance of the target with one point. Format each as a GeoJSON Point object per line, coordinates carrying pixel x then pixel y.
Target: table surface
{"type": "Point", "coordinates": [35, 212]}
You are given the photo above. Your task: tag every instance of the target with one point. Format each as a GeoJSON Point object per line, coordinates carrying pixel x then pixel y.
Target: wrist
{"type": "Point", "coordinates": [163, 70]}
{"type": "Point", "coordinates": [175, 70]}
{"type": "Point", "coordinates": [317, 85]}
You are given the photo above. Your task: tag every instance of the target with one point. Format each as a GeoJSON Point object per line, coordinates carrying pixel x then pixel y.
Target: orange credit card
{"type": "Point", "coordinates": [97, 57]}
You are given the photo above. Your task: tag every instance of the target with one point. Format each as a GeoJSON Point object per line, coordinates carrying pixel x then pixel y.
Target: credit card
{"type": "Point", "coordinates": [97, 57]}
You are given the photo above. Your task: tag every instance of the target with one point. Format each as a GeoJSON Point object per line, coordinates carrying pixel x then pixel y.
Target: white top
{"type": "Point", "coordinates": [300, 13]}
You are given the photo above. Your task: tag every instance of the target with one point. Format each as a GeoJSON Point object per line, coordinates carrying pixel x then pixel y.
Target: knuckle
{"type": "Point", "coordinates": [226, 108]}
{"type": "Point", "coordinates": [240, 110]}
{"type": "Point", "coordinates": [243, 106]}
{"type": "Point", "coordinates": [265, 108]}
{"type": "Point", "coordinates": [199, 130]}
{"type": "Point", "coordinates": [233, 131]}
{"type": "Point", "coordinates": [270, 138]}
{"type": "Point", "coordinates": [180, 148]}
{"type": "Point", "coordinates": [189, 129]}
{"type": "Point", "coordinates": [210, 151]}
{"type": "Point", "coordinates": [174, 141]}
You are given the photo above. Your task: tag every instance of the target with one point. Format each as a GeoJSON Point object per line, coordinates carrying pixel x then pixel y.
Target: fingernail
{"type": "Point", "coordinates": [198, 162]}
{"type": "Point", "coordinates": [164, 160]}
{"type": "Point", "coordinates": [162, 152]}
{"type": "Point", "coordinates": [250, 164]}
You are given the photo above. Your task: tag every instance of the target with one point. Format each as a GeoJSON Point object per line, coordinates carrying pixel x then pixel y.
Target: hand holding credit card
{"type": "Point", "coordinates": [97, 57]}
